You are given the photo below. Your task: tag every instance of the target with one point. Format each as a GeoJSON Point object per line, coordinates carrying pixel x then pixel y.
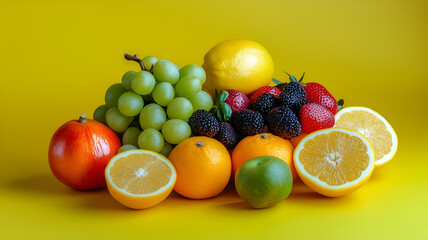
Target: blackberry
{"type": "Point", "coordinates": [308, 101]}
{"type": "Point", "coordinates": [293, 97]}
{"type": "Point", "coordinates": [264, 103]}
{"type": "Point", "coordinates": [248, 122]}
{"type": "Point", "coordinates": [282, 122]}
{"type": "Point", "coordinates": [227, 135]}
{"type": "Point", "coordinates": [203, 123]}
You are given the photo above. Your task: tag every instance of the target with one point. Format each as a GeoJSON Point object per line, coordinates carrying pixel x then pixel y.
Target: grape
{"type": "Point", "coordinates": [143, 82]}
{"type": "Point", "coordinates": [151, 139]}
{"type": "Point", "coordinates": [201, 100]}
{"type": "Point", "coordinates": [166, 150]}
{"type": "Point", "coordinates": [194, 70]}
{"type": "Point", "coordinates": [163, 93]}
{"type": "Point", "coordinates": [175, 131]}
{"type": "Point", "coordinates": [152, 116]}
{"type": "Point", "coordinates": [116, 120]}
{"type": "Point", "coordinates": [178, 67]}
{"type": "Point", "coordinates": [188, 86]}
{"type": "Point", "coordinates": [179, 108]}
{"type": "Point", "coordinates": [166, 71]}
{"type": "Point", "coordinates": [100, 114]}
{"type": "Point", "coordinates": [126, 80]}
{"type": "Point", "coordinates": [149, 61]}
{"type": "Point", "coordinates": [126, 147]}
{"type": "Point", "coordinates": [130, 136]}
{"type": "Point", "coordinates": [113, 93]}
{"type": "Point", "coordinates": [130, 104]}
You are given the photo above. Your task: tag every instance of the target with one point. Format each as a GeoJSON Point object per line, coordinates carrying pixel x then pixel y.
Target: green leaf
{"type": "Point", "coordinates": [291, 77]}
{"type": "Point", "coordinates": [217, 97]}
{"type": "Point", "coordinates": [213, 109]}
{"type": "Point", "coordinates": [219, 116]}
{"type": "Point", "coordinates": [217, 92]}
{"type": "Point", "coordinates": [276, 81]}
{"type": "Point", "coordinates": [340, 104]}
{"type": "Point", "coordinates": [227, 111]}
{"type": "Point", "coordinates": [224, 96]}
{"type": "Point", "coordinates": [301, 79]}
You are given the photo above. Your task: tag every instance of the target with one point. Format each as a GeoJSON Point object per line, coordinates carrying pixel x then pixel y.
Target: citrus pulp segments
{"type": "Point", "coordinates": [323, 187]}
{"type": "Point", "coordinates": [380, 143]}
{"type": "Point", "coordinates": [145, 200]}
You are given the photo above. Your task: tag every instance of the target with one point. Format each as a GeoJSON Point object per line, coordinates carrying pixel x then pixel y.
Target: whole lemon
{"type": "Point", "coordinates": [238, 64]}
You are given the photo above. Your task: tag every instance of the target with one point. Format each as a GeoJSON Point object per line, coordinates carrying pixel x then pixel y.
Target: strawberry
{"type": "Point", "coordinates": [236, 100]}
{"type": "Point", "coordinates": [314, 117]}
{"type": "Point", "coordinates": [266, 89]}
{"type": "Point", "coordinates": [317, 93]}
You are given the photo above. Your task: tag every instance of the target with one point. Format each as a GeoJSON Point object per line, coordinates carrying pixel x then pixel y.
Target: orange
{"type": "Point", "coordinates": [334, 161]}
{"type": "Point", "coordinates": [264, 144]}
{"type": "Point", "coordinates": [203, 167]}
{"type": "Point", "coordinates": [295, 141]}
{"type": "Point", "coordinates": [374, 127]}
{"type": "Point", "coordinates": [140, 178]}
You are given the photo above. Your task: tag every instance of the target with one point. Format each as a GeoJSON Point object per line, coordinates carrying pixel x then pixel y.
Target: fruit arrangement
{"type": "Point", "coordinates": [158, 131]}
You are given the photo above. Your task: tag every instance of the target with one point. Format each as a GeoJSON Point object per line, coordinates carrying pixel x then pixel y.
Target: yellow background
{"type": "Point", "coordinates": [57, 58]}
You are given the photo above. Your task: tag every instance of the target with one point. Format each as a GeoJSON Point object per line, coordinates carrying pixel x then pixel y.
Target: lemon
{"type": "Point", "coordinates": [374, 127]}
{"type": "Point", "coordinates": [238, 64]}
{"type": "Point", "coordinates": [140, 179]}
{"type": "Point", "coordinates": [334, 161]}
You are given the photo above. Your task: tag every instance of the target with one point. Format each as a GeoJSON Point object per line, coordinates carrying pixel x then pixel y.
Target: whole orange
{"type": "Point", "coordinates": [296, 140]}
{"type": "Point", "coordinates": [203, 167]}
{"type": "Point", "coordinates": [263, 144]}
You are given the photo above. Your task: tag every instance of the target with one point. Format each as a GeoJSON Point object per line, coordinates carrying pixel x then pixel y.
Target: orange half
{"type": "Point", "coordinates": [140, 179]}
{"type": "Point", "coordinates": [334, 161]}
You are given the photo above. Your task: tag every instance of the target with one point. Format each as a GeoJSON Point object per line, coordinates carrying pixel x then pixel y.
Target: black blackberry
{"type": "Point", "coordinates": [264, 103]}
{"type": "Point", "coordinates": [203, 123]}
{"type": "Point", "coordinates": [308, 101]}
{"type": "Point", "coordinates": [227, 135]}
{"type": "Point", "coordinates": [248, 122]}
{"type": "Point", "coordinates": [282, 122]}
{"type": "Point", "coordinates": [293, 97]}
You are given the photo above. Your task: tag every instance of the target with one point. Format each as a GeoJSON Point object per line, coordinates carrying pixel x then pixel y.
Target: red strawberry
{"type": "Point", "coordinates": [314, 117]}
{"type": "Point", "coordinates": [316, 93]}
{"type": "Point", "coordinates": [236, 100]}
{"type": "Point", "coordinates": [267, 89]}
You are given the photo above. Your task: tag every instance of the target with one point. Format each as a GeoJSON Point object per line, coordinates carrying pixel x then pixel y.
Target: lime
{"type": "Point", "coordinates": [264, 181]}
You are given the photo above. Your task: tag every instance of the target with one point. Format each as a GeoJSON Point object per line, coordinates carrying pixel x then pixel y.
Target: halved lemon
{"type": "Point", "coordinates": [334, 161]}
{"type": "Point", "coordinates": [140, 179]}
{"type": "Point", "coordinates": [374, 127]}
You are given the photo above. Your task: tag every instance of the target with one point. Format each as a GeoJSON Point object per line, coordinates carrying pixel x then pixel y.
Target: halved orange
{"type": "Point", "coordinates": [334, 161]}
{"type": "Point", "coordinates": [374, 127]}
{"type": "Point", "coordinates": [140, 179]}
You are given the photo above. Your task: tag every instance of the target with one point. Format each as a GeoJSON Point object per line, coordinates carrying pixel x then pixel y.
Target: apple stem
{"type": "Point", "coordinates": [82, 118]}
{"type": "Point", "coordinates": [199, 144]}
{"type": "Point", "coordinates": [135, 59]}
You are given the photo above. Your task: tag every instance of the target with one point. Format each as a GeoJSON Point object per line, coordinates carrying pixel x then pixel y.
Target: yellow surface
{"type": "Point", "coordinates": [57, 58]}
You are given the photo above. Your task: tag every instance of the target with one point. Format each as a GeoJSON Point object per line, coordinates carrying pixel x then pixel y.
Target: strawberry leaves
{"type": "Point", "coordinates": [340, 104]}
{"type": "Point", "coordinates": [220, 109]}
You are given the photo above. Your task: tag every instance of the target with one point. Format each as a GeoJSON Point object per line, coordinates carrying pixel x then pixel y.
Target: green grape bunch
{"type": "Point", "coordinates": [149, 108]}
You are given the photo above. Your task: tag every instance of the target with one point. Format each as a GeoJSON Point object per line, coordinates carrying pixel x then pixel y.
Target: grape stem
{"type": "Point", "coordinates": [135, 59]}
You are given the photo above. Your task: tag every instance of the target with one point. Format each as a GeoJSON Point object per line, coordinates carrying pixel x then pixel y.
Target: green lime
{"type": "Point", "coordinates": [264, 181]}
